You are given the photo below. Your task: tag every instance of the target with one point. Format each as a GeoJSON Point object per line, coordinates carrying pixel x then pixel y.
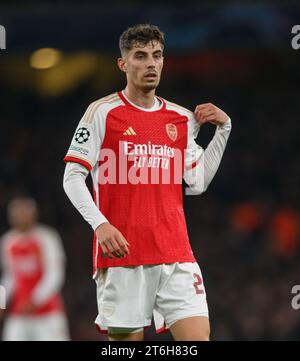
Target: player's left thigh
{"type": "Point", "coordinates": [195, 328]}
{"type": "Point", "coordinates": [181, 296]}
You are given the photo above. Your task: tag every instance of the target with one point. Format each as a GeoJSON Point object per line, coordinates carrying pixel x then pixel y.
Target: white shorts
{"type": "Point", "coordinates": [128, 297]}
{"type": "Point", "coordinates": [51, 327]}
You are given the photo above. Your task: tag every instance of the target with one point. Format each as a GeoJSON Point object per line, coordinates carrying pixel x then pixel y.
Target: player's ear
{"type": "Point", "coordinates": [122, 64]}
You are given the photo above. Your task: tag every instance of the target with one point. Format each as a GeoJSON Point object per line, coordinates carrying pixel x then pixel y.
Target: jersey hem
{"type": "Point", "coordinates": [145, 263]}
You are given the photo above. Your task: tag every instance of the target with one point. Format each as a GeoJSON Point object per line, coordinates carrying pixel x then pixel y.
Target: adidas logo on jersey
{"type": "Point", "coordinates": [129, 131]}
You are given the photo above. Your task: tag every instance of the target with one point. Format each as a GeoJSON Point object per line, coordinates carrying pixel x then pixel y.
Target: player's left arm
{"type": "Point", "coordinates": [202, 165]}
{"type": "Point", "coordinates": [7, 278]}
{"type": "Point", "coordinates": [53, 258]}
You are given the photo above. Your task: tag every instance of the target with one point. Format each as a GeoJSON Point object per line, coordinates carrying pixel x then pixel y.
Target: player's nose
{"type": "Point", "coordinates": [151, 63]}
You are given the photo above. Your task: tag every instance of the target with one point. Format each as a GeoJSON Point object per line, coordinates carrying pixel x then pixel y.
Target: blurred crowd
{"type": "Point", "coordinates": [245, 230]}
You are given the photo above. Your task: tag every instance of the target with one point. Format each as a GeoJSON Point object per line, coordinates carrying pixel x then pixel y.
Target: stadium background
{"type": "Point", "coordinates": [245, 229]}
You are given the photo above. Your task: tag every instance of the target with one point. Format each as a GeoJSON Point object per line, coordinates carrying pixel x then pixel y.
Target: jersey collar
{"type": "Point", "coordinates": [129, 103]}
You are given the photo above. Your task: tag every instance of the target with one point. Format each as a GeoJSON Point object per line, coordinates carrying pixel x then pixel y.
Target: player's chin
{"type": "Point", "coordinates": [151, 85]}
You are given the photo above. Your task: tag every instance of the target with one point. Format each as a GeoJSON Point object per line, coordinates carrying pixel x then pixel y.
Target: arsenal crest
{"type": "Point", "coordinates": [171, 131]}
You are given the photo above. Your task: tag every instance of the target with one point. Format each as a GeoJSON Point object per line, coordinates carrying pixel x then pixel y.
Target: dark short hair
{"type": "Point", "coordinates": [141, 34]}
{"type": "Point", "coordinates": [22, 197]}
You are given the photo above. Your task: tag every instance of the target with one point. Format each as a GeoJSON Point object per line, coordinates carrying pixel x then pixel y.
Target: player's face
{"type": "Point", "coordinates": [143, 65]}
{"type": "Point", "coordinates": [22, 214]}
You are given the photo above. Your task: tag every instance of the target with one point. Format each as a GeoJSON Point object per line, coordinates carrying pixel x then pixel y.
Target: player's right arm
{"type": "Point", "coordinates": [81, 158]}
{"type": "Point", "coordinates": [7, 278]}
{"type": "Point", "coordinates": [110, 239]}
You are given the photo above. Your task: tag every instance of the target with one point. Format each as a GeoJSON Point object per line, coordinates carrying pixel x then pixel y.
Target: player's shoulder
{"type": "Point", "coordinates": [46, 231]}
{"type": "Point", "coordinates": [102, 105]}
{"type": "Point", "coordinates": [178, 108]}
{"type": "Point", "coordinates": [108, 99]}
{"type": "Point", "coordinates": [49, 240]}
{"type": "Point", "coordinates": [6, 237]}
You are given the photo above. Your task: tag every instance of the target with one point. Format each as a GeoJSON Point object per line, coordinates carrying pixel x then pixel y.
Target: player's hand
{"type": "Point", "coordinates": [209, 113]}
{"type": "Point", "coordinates": [28, 308]}
{"type": "Point", "coordinates": [112, 241]}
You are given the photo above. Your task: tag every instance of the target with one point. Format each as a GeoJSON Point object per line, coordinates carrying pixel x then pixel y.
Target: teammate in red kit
{"type": "Point", "coordinates": [32, 262]}
{"type": "Point", "coordinates": [138, 147]}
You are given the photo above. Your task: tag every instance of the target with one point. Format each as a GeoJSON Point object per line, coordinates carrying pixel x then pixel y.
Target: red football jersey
{"type": "Point", "coordinates": [137, 158]}
{"type": "Point", "coordinates": [26, 258]}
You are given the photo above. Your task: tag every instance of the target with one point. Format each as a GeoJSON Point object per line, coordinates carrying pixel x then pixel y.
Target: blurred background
{"type": "Point", "coordinates": [245, 230]}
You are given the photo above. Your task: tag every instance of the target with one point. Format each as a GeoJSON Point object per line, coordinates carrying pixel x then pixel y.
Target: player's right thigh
{"type": "Point", "coordinates": [126, 297]}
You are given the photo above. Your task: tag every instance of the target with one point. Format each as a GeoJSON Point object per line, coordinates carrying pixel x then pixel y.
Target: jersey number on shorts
{"type": "Point", "coordinates": [197, 284]}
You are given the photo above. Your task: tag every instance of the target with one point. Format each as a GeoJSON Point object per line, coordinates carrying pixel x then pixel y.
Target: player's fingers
{"type": "Point", "coordinates": [110, 249]}
{"type": "Point", "coordinates": [206, 112]}
{"type": "Point", "coordinates": [117, 254]}
{"type": "Point", "coordinates": [197, 113]}
{"type": "Point", "coordinates": [124, 239]}
{"type": "Point", "coordinates": [122, 242]}
{"type": "Point", "coordinates": [211, 117]}
{"type": "Point", "coordinates": [200, 117]}
{"type": "Point", "coordinates": [117, 250]}
{"type": "Point", "coordinates": [105, 250]}
{"type": "Point", "coordinates": [203, 106]}
{"type": "Point", "coordinates": [109, 246]}
{"type": "Point", "coordinates": [202, 114]}
{"type": "Point", "coordinates": [114, 248]}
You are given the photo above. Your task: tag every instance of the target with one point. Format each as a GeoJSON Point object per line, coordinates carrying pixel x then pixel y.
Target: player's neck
{"type": "Point", "coordinates": [23, 228]}
{"type": "Point", "coordinates": [140, 98]}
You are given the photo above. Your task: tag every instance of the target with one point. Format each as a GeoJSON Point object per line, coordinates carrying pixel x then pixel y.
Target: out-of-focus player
{"type": "Point", "coordinates": [32, 263]}
{"type": "Point", "coordinates": [138, 147]}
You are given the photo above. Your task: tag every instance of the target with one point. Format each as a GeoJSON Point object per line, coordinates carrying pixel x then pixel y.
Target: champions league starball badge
{"type": "Point", "coordinates": [82, 135]}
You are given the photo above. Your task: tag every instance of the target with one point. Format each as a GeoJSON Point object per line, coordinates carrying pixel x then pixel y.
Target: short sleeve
{"type": "Point", "coordinates": [85, 144]}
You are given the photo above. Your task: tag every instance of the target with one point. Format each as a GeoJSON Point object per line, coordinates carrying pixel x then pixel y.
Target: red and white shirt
{"type": "Point", "coordinates": [137, 159]}
{"type": "Point", "coordinates": [33, 269]}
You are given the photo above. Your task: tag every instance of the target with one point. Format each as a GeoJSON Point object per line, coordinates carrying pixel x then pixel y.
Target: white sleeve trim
{"type": "Point", "coordinates": [78, 193]}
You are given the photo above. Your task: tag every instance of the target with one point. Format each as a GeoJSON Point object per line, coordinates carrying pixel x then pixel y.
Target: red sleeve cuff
{"type": "Point", "coordinates": [79, 161]}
